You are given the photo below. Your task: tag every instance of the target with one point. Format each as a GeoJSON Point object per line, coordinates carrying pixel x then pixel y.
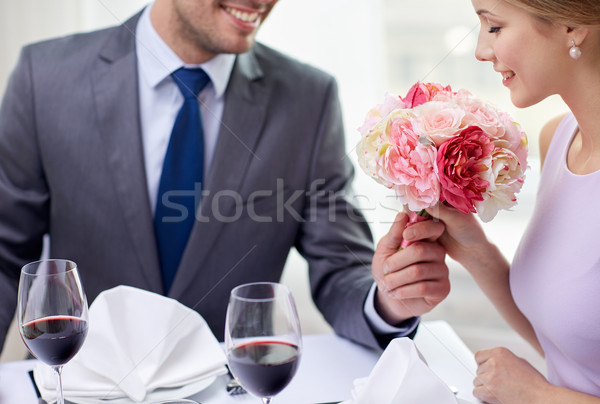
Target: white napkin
{"type": "Point", "coordinates": [401, 376]}
{"type": "Point", "coordinates": [138, 342]}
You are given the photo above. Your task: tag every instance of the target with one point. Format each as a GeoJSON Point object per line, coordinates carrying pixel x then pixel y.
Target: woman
{"type": "Point", "coordinates": [551, 292]}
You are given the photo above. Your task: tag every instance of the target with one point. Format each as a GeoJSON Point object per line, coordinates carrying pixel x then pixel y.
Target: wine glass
{"type": "Point", "coordinates": [52, 313]}
{"type": "Point", "coordinates": [263, 341]}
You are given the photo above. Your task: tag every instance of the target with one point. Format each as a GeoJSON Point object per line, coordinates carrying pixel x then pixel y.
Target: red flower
{"type": "Point", "coordinates": [420, 93]}
{"type": "Point", "coordinates": [463, 163]}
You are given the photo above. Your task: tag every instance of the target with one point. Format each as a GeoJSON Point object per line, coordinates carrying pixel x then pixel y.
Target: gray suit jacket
{"type": "Point", "coordinates": [71, 166]}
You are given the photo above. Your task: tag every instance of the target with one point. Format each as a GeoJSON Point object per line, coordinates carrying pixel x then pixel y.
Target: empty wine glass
{"type": "Point", "coordinates": [263, 341]}
{"type": "Point", "coordinates": [52, 313]}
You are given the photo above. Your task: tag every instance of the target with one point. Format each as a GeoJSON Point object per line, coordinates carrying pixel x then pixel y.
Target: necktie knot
{"type": "Point", "coordinates": [190, 81]}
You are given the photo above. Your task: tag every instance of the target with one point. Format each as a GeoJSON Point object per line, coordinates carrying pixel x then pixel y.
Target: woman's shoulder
{"type": "Point", "coordinates": [547, 133]}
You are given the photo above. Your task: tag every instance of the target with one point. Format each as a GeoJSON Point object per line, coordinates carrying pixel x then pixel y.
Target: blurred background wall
{"type": "Point", "coordinates": [371, 48]}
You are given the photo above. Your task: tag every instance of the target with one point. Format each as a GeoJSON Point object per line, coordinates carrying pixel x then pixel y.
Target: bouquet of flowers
{"type": "Point", "coordinates": [438, 145]}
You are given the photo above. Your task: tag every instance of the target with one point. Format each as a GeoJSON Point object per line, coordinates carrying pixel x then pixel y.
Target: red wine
{"type": "Point", "coordinates": [264, 367]}
{"type": "Point", "coordinates": [55, 340]}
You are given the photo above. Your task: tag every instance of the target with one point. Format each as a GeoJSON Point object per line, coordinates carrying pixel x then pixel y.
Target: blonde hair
{"type": "Point", "coordinates": [568, 12]}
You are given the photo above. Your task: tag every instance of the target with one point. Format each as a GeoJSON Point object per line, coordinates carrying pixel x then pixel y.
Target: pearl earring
{"type": "Point", "coordinates": [574, 51]}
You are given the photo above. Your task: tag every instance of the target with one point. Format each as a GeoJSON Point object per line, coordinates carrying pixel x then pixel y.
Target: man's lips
{"type": "Point", "coordinates": [249, 17]}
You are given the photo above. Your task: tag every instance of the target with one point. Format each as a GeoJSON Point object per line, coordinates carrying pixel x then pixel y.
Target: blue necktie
{"type": "Point", "coordinates": [181, 180]}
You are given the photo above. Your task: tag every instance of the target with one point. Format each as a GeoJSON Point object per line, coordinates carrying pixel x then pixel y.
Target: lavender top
{"type": "Point", "coordinates": [555, 275]}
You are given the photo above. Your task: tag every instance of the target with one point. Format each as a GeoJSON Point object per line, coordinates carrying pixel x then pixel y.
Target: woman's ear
{"type": "Point", "coordinates": [576, 35]}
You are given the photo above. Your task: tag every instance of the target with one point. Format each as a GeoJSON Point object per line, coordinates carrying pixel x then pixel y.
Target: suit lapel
{"type": "Point", "coordinates": [243, 118]}
{"type": "Point", "coordinates": [115, 92]}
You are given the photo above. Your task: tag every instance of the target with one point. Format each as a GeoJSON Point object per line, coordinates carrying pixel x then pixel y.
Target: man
{"type": "Point", "coordinates": [85, 144]}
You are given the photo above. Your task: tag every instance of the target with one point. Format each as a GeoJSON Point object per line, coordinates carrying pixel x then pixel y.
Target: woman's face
{"type": "Point", "coordinates": [530, 55]}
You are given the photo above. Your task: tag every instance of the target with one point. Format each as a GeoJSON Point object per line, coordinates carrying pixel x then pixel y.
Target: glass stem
{"type": "Point", "coordinates": [267, 400]}
{"type": "Point", "coordinates": [60, 398]}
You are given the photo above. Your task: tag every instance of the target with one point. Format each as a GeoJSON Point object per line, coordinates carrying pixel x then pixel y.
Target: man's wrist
{"type": "Point", "coordinates": [380, 326]}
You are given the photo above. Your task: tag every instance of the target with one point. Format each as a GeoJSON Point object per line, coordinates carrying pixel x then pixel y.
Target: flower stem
{"type": "Point", "coordinates": [423, 213]}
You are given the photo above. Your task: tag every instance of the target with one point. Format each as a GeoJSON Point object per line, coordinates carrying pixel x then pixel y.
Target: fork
{"type": "Point", "coordinates": [233, 386]}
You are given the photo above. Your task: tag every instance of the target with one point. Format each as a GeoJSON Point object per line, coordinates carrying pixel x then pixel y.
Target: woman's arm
{"type": "Point", "coordinates": [466, 242]}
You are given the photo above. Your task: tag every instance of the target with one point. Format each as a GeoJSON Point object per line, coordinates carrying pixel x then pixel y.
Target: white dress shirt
{"type": "Point", "coordinates": [160, 101]}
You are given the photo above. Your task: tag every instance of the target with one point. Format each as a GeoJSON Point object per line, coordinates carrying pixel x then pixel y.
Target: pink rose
{"type": "Point", "coordinates": [506, 178]}
{"type": "Point", "coordinates": [451, 96]}
{"type": "Point", "coordinates": [402, 133]}
{"type": "Point", "coordinates": [439, 121]}
{"type": "Point", "coordinates": [390, 103]}
{"type": "Point", "coordinates": [516, 138]}
{"type": "Point", "coordinates": [479, 113]}
{"type": "Point", "coordinates": [409, 167]}
{"type": "Point", "coordinates": [421, 93]}
{"type": "Point", "coordinates": [375, 142]}
{"type": "Point", "coordinates": [463, 163]}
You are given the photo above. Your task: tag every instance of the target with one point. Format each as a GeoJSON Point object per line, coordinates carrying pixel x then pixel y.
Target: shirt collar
{"type": "Point", "coordinates": [157, 61]}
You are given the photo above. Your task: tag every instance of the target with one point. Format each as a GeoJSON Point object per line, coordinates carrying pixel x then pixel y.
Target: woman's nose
{"type": "Point", "coordinates": [484, 50]}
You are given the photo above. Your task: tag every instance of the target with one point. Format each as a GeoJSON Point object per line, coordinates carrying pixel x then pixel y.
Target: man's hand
{"type": "Point", "coordinates": [410, 281]}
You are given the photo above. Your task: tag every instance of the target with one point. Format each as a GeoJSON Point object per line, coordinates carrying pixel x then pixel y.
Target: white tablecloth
{"type": "Point", "coordinates": [328, 367]}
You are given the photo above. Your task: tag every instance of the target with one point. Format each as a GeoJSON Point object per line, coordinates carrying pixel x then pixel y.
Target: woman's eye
{"type": "Point", "coordinates": [494, 30]}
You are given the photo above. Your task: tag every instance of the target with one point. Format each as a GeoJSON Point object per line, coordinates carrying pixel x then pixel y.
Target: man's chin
{"type": "Point", "coordinates": [241, 46]}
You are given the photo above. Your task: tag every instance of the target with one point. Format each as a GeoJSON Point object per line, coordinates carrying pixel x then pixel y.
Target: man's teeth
{"type": "Point", "coordinates": [243, 15]}
{"type": "Point", "coordinates": [507, 75]}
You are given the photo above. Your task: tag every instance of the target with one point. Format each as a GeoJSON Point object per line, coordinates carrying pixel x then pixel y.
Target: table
{"type": "Point", "coordinates": [328, 367]}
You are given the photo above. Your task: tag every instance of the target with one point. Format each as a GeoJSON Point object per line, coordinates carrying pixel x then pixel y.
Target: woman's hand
{"type": "Point", "coordinates": [463, 237]}
{"type": "Point", "coordinates": [504, 378]}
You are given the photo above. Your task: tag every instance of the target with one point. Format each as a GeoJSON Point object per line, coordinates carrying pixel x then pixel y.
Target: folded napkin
{"type": "Point", "coordinates": [401, 376]}
{"type": "Point", "coordinates": [139, 344]}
